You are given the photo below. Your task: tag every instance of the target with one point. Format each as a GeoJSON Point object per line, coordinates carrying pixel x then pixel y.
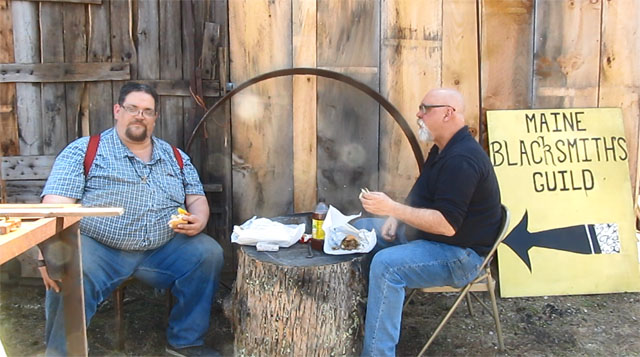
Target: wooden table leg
{"type": "Point", "coordinates": [73, 293]}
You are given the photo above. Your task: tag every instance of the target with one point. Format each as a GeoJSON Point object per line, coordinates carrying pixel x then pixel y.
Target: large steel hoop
{"type": "Point", "coordinates": [390, 108]}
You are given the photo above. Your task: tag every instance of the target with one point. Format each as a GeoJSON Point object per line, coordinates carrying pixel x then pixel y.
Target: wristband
{"type": "Point", "coordinates": [41, 264]}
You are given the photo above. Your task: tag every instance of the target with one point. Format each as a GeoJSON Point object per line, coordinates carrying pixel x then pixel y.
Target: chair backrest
{"type": "Point", "coordinates": [502, 234]}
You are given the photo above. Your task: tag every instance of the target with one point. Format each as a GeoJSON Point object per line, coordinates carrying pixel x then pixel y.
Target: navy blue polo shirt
{"type": "Point", "coordinates": [461, 184]}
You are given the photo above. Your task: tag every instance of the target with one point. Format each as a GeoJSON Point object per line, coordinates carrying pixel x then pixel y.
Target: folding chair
{"type": "Point", "coordinates": [484, 282]}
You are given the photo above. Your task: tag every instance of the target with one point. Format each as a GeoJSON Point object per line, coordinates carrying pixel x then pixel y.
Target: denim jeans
{"type": "Point", "coordinates": [189, 266]}
{"type": "Point", "coordinates": [402, 264]}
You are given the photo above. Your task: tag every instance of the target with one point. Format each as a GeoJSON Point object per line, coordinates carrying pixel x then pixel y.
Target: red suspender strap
{"type": "Point", "coordinates": [178, 157]}
{"type": "Point", "coordinates": [90, 155]}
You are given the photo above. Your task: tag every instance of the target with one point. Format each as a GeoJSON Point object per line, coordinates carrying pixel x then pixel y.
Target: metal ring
{"type": "Point", "coordinates": [395, 114]}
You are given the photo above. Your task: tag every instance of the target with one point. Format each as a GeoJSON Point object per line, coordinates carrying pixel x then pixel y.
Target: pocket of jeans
{"type": "Point", "coordinates": [463, 270]}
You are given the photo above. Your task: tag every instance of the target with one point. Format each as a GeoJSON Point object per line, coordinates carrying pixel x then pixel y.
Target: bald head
{"type": "Point", "coordinates": [442, 111]}
{"type": "Point", "coordinates": [447, 96]}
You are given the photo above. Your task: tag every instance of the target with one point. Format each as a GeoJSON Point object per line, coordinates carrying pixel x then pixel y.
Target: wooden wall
{"type": "Point", "coordinates": [282, 144]}
{"type": "Point", "coordinates": [309, 138]}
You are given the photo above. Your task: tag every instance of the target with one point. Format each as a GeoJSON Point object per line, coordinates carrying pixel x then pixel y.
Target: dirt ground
{"type": "Point", "coordinates": [600, 325]}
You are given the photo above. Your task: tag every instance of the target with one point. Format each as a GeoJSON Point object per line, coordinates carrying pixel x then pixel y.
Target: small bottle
{"type": "Point", "coordinates": [317, 219]}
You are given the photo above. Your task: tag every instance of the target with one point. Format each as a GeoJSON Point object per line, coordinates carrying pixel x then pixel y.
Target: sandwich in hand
{"type": "Point", "coordinates": [178, 218]}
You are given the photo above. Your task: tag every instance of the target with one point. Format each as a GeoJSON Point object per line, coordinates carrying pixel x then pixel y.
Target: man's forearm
{"type": "Point", "coordinates": [57, 199]}
{"type": "Point", "coordinates": [198, 205]}
{"type": "Point", "coordinates": [424, 219]}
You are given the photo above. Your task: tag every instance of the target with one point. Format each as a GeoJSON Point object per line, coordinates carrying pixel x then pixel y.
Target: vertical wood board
{"type": "Point", "coordinates": [261, 114]}
{"type": "Point", "coordinates": [460, 56]}
{"type": "Point", "coordinates": [221, 138]}
{"type": "Point", "coordinates": [620, 73]}
{"type": "Point", "coordinates": [345, 32]}
{"type": "Point", "coordinates": [348, 120]}
{"type": "Point", "coordinates": [506, 52]}
{"type": "Point", "coordinates": [147, 36]}
{"type": "Point", "coordinates": [9, 144]}
{"type": "Point", "coordinates": [410, 65]}
{"type": "Point", "coordinates": [169, 125]}
{"type": "Point", "coordinates": [26, 39]}
{"type": "Point", "coordinates": [75, 50]}
{"type": "Point", "coordinates": [304, 107]}
{"type": "Point", "coordinates": [100, 93]}
{"type": "Point", "coordinates": [54, 115]}
{"type": "Point", "coordinates": [566, 54]}
{"type": "Point", "coordinates": [123, 48]}
{"type": "Point", "coordinates": [209, 49]}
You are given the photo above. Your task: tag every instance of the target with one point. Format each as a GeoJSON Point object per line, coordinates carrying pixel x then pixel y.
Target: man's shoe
{"type": "Point", "coordinates": [192, 351]}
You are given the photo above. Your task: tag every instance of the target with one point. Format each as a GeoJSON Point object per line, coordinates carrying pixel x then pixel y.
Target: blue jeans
{"type": "Point", "coordinates": [189, 266]}
{"type": "Point", "coordinates": [402, 264]}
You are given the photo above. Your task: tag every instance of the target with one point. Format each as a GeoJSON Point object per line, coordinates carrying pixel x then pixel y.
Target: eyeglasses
{"type": "Point", "coordinates": [133, 110]}
{"type": "Point", "coordinates": [424, 107]}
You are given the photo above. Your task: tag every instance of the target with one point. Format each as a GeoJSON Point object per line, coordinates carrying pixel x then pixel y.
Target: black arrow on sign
{"type": "Point", "coordinates": [571, 239]}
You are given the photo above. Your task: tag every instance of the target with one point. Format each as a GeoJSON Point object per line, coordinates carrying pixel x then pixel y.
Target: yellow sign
{"type": "Point", "coordinates": [564, 176]}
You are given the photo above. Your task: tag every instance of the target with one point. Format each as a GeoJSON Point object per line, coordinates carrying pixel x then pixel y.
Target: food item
{"type": "Point", "coordinates": [350, 242]}
{"type": "Point", "coordinates": [179, 218]}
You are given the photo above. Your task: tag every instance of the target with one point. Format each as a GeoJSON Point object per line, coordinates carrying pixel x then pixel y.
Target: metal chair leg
{"type": "Point", "coordinates": [462, 295]}
{"type": "Point", "coordinates": [496, 317]}
{"type": "Point", "coordinates": [408, 298]}
{"type": "Point", "coordinates": [469, 306]}
{"type": "Point", "coordinates": [118, 302]}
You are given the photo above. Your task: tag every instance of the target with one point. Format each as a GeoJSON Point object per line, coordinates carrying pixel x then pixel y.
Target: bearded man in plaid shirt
{"type": "Point", "coordinates": [141, 173]}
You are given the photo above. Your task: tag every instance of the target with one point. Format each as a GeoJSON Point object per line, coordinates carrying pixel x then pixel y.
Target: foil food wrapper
{"type": "Point", "coordinates": [336, 227]}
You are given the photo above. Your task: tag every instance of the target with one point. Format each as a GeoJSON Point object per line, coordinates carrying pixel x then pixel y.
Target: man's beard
{"type": "Point", "coordinates": [424, 134]}
{"type": "Point", "coordinates": [136, 136]}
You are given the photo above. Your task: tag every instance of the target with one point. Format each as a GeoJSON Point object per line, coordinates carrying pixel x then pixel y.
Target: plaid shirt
{"type": "Point", "coordinates": [149, 192]}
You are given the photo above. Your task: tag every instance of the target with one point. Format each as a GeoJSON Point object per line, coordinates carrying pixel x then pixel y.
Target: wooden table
{"type": "Point", "coordinates": [55, 228]}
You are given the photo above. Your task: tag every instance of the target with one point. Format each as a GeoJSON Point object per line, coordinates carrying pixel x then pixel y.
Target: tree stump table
{"type": "Point", "coordinates": [285, 304]}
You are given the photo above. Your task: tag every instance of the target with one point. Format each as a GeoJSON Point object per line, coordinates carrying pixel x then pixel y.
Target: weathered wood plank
{"type": "Point", "coordinates": [171, 122]}
{"type": "Point", "coordinates": [304, 107]}
{"type": "Point", "coordinates": [219, 16]}
{"type": "Point", "coordinates": [348, 120]}
{"type": "Point", "coordinates": [54, 113]}
{"type": "Point", "coordinates": [26, 37]}
{"type": "Point", "coordinates": [460, 56]}
{"type": "Point", "coordinates": [24, 191]}
{"type": "Point", "coordinates": [148, 40]}
{"type": "Point", "coordinates": [188, 64]}
{"type": "Point", "coordinates": [95, 2]}
{"type": "Point", "coordinates": [200, 16]}
{"type": "Point", "coordinates": [100, 93]}
{"type": "Point", "coordinates": [63, 72]}
{"type": "Point", "coordinates": [8, 119]}
{"type": "Point", "coordinates": [75, 51]}
{"type": "Point", "coordinates": [566, 54]}
{"type": "Point", "coordinates": [620, 74]}
{"type": "Point", "coordinates": [262, 123]}
{"type": "Point", "coordinates": [506, 53]}
{"type": "Point", "coordinates": [122, 47]}
{"type": "Point", "coordinates": [221, 166]}
{"type": "Point", "coordinates": [210, 44]}
{"type": "Point", "coordinates": [180, 88]}
{"type": "Point", "coordinates": [30, 167]}
{"type": "Point", "coordinates": [410, 65]}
